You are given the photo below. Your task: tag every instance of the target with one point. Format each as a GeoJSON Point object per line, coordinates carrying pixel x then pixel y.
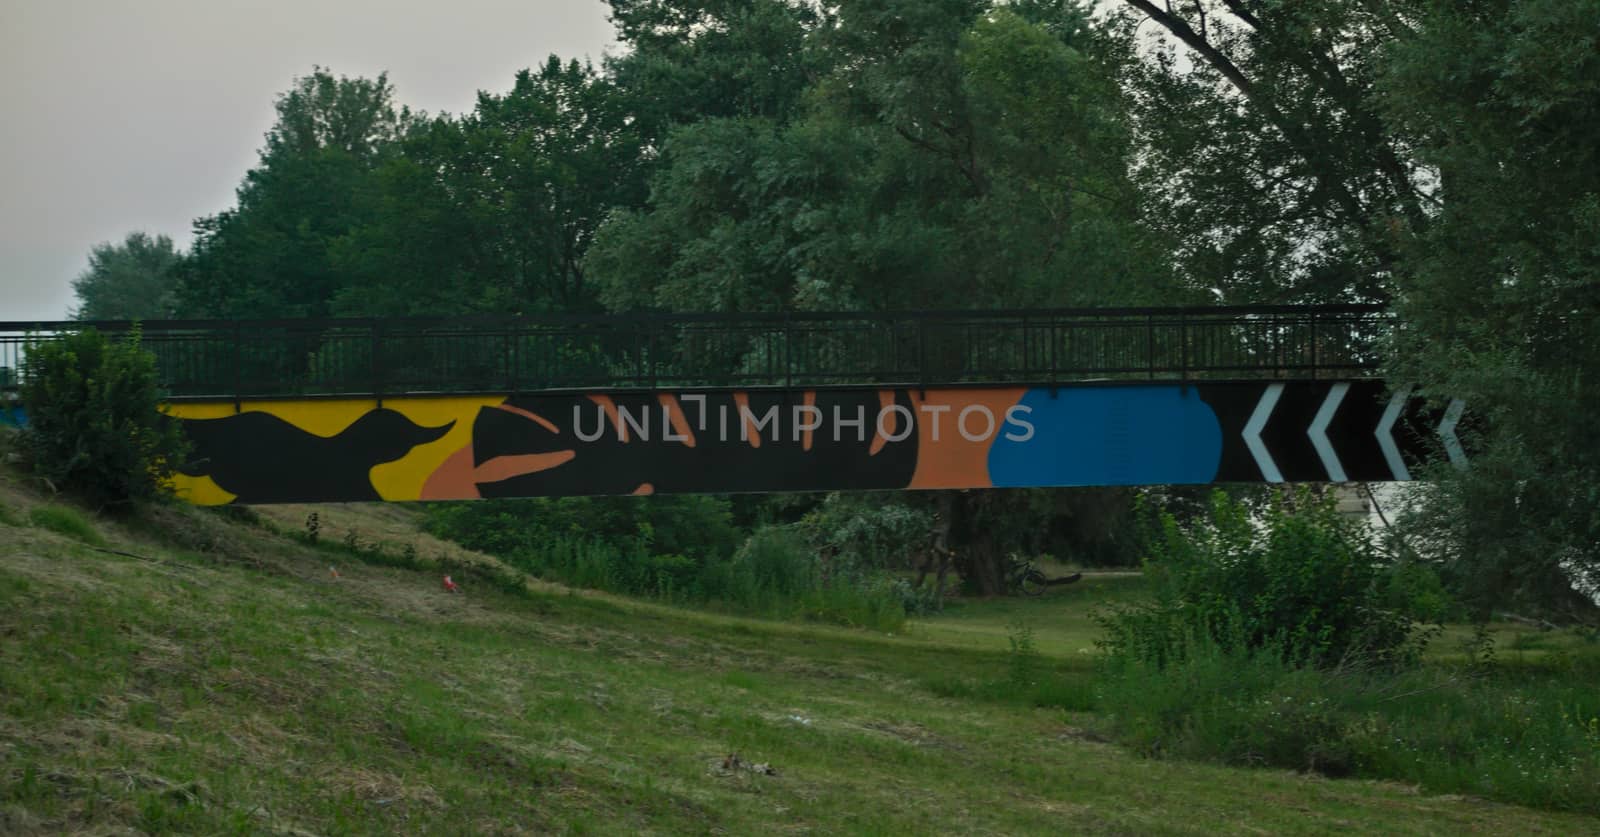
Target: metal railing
{"type": "Point", "coordinates": [373, 357]}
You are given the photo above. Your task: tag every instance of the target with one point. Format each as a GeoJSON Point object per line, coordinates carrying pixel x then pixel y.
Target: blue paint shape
{"type": "Point", "coordinates": [13, 414]}
{"type": "Point", "coordinates": [1116, 435]}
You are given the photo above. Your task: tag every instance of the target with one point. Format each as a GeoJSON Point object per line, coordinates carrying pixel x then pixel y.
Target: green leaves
{"type": "Point", "coordinates": [134, 280]}
{"type": "Point", "coordinates": [950, 159]}
{"type": "Point", "coordinates": [1303, 584]}
{"type": "Point", "coordinates": [95, 427]}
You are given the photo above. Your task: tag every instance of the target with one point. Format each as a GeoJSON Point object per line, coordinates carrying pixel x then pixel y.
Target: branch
{"type": "Point", "coordinates": [1244, 15]}
{"type": "Point", "coordinates": [953, 155]}
{"type": "Point", "coordinates": [1180, 27]}
{"type": "Point", "coordinates": [1294, 133]}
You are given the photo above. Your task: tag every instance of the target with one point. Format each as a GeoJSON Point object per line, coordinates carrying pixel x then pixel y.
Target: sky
{"type": "Point", "coordinates": [124, 115]}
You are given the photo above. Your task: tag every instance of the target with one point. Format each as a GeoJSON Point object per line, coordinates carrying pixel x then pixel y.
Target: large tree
{"type": "Point", "coordinates": [134, 280]}
{"type": "Point", "coordinates": [271, 255]}
{"type": "Point", "coordinates": [1437, 155]}
{"type": "Point", "coordinates": [1263, 147]}
{"type": "Point", "coordinates": [1500, 294]}
{"type": "Point", "coordinates": [494, 211]}
{"type": "Point", "coordinates": [954, 158]}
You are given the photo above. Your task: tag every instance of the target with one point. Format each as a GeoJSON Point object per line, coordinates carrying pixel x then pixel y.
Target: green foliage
{"type": "Point", "coordinates": [1529, 737]}
{"type": "Point", "coordinates": [134, 280]}
{"type": "Point", "coordinates": [693, 525]}
{"type": "Point", "coordinates": [533, 170]}
{"type": "Point", "coordinates": [1264, 151]}
{"type": "Point", "coordinates": [924, 166]}
{"type": "Point", "coordinates": [95, 427]}
{"type": "Point", "coordinates": [1305, 584]}
{"type": "Point", "coordinates": [875, 531]}
{"type": "Point", "coordinates": [1501, 293]}
{"type": "Point", "coordinates": [1437, 155]}
{"type": "Point", "coordinates": [676, 549]}
{"type": "Point", "coordinates": [273, 254]}
{"type": "Point", "coordinates": [66, 521]}
{"type": "Point", "coordinates": [706, 59]}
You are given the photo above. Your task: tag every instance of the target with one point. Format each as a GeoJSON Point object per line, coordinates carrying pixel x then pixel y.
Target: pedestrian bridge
{"type": "Point", "coordinates": [440, 409]}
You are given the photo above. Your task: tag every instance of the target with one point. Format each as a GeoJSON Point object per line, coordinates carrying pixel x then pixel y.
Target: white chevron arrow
{"type": "Point", "coordinates": [1319, 433]}
{"type": "Point", "coordinates": [1385, 432]}
{"type": "Point", "coordinates": [1447, 433]}
{"type": "Point", "coordinates": [1252, 433]}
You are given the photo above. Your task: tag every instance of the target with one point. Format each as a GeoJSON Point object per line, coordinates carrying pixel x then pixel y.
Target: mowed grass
{"type": "Point", "coordinates": [1061, 620]}
{"type": "Point", "coordinates": [234, 684]}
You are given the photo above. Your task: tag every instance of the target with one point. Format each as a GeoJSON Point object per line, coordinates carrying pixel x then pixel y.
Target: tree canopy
{"type": "Point", "coordinates": [134, 280]}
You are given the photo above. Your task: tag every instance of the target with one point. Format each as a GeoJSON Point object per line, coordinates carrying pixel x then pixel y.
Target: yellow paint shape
{"type": "Point", "coordinates": [325, 418]}
{"type": "Point", "coordinates": [398, 480]}
{"type": "Point", "coordinates": [403, 478]}
{"type": "Point", "coordinates": [200, 491]}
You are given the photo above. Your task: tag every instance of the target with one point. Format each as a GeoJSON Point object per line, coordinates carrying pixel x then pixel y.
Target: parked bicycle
{"type": "Point", "coordinates": [1029, 580]}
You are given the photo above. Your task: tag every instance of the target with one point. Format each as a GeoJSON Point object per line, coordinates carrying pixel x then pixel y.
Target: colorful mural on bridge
{"type": "Point", "coordinates": [457, 447]}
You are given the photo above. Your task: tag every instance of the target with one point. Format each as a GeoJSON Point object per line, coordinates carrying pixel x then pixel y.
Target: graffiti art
{"type": "Point", "coordinates": [576, 444]}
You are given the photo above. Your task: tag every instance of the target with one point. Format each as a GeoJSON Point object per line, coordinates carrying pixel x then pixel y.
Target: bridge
{"type": "Point", "coordinates": [336, 410]}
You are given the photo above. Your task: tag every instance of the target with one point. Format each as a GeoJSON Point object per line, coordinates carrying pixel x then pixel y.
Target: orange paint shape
{"type": "Point", "coordinates": [506, 467]}
{"type": "Point", "coordinates": [644, 490]}
{"type": "Point", "coordinates": [953, 461]}
{"type": "Point", "coordinates": [741, 402]}
{"type": "Point", "coordinates": [610, 407]}
{"type": "Point", "coordinates": [680, 422]}
{"type": "Point", "coordinates": [543, 422]}
{"type": "Point", "coordinates": [452, 480]}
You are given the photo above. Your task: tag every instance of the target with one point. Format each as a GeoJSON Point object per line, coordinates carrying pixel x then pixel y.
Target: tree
{"type": "Point", "coordinates": [1501, 291]}
{"type": "Point", "coordinates": [494, 212]}
{"type": "Point", "coordinates": [134, 280]}
{"type": "Point", "coordinates": [1265, 149]}
{"type": "Point", "coordinates": [271, 255]}
{"type": "Point", "coordinates": [953, 159]}
{"type": "Point", "coordinates": [690, 60]}
{"type": "Point", "coordinates": [1439, 156]}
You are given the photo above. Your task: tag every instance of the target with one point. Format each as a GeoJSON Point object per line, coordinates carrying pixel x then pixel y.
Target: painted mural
{"type": "Point", "coordinates": [452, 448]}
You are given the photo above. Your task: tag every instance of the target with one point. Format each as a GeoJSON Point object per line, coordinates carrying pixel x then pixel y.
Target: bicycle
{"type": "Point", "coordinates": [1027, 579]}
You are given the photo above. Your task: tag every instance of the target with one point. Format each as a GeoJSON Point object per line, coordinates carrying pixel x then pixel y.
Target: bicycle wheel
{"type": "Point", "coordinates": [1032, 583]}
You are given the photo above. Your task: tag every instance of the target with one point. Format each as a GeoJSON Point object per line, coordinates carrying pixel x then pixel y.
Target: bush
{"type": "Point", "coordinates": [878, 531]}
{"type": "Point", "coordinates": [95, 428]}
{"type": "Point", "coordinates": [671, 549]}
{"type": "Point", "coordinates": [700, 527]}
{"type": "Point", "coordinates": [1530, 737]}
{"type": "Point", "coordinates": [1306, 585]}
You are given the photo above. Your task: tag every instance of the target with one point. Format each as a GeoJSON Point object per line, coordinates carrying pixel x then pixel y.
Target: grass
{"type": "Point", "coordinates": [66, 521]}
{"type": "Point", "coordinates": [1061, 620]}
{"type": "Point", "coordinates": [226, 681]}
{"type": "Point", "coordinates": [1522, 733]}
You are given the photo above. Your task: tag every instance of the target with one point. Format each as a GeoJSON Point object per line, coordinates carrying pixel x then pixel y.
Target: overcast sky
{"type": "Point", "coordinates": [122, 115]}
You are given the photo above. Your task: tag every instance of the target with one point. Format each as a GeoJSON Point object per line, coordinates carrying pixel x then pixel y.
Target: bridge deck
{"type": "Point", "coordinates": [242, 359]}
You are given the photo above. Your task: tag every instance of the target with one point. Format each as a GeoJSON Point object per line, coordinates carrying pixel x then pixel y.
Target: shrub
{"type": "Point", "coordinates": [774, 574]}
{"type": "Point", "coordinates": [699, 527]}
{"type": "Point", "coordinates": [1307, 585]}
{"type": "Point", "coordinates": [880, 531]}
{"type": "Point", "coordinates": [95, 428]}
{"type": "Point", "coordinates": [1528, 736]}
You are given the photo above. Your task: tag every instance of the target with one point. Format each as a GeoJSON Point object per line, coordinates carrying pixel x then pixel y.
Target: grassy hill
{"type": "Point", "coordinates": [191, 671]}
